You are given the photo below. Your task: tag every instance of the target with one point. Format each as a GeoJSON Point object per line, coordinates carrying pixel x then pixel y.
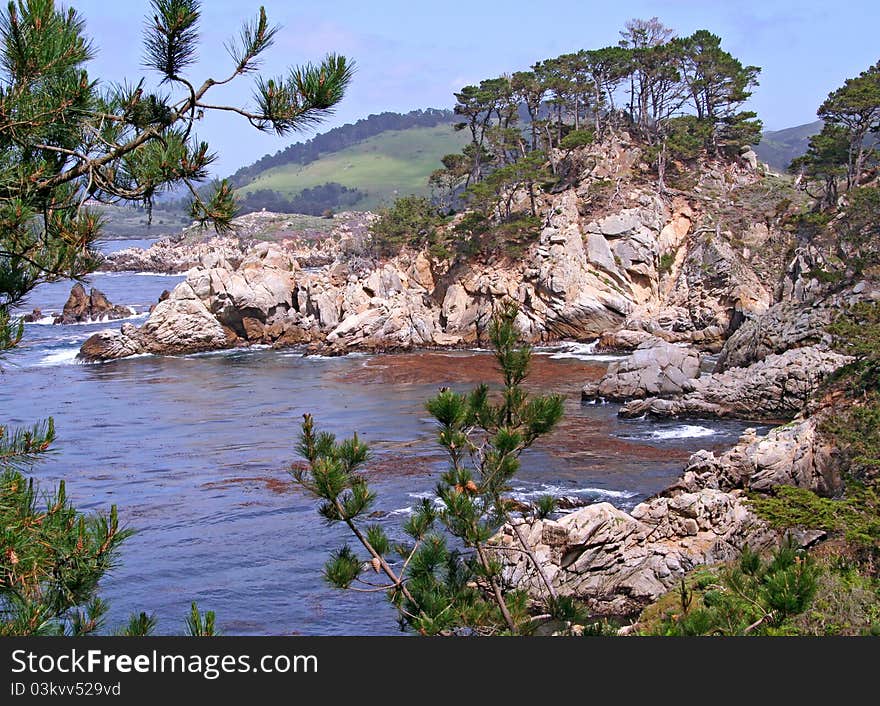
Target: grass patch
{"type": "Point", "coordinates": [395, 163]}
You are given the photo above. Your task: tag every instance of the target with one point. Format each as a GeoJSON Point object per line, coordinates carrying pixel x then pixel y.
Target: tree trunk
{"type": "Point", "coordinates": [496, 590]}
{"type": "Point", "coordinates": [531, 554]}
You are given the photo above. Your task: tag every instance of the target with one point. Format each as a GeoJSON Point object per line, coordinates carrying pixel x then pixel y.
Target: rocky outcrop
{"type": "Point", "coordinates": [168, 256]}
{"type": "Point", "coordinates": [602, 261]}
{"type": "Point", "coordinates": [194, 247]}
{"type": "Point", "coordinates": [618, 562]}
{"type": "Point", "coordinates": [778, 387]}
{"type": "Point", "coordinates": [655, 368]}
{"type": "Point", "coordinates": [83, 307]}
{"type": "Point", "coordinates": [790, 324]}
{"type": "Point", "coordinates": [795, 454]}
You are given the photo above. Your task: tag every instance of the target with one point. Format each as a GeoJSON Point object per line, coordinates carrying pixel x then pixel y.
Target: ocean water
{"type": "Point", "coordinates": [195, 452]}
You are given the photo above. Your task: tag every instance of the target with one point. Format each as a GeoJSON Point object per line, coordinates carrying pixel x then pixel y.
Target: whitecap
{"type": "Point", "coordinates": [572, 350]}
{"type": "Point", "coordinates": [50, 320]}
{"type": "Point", "coordinates": [65, 356]}
{"type": "Point", "coordinates": [524, 495]}
{"type": "Point", "coordinates": [124, 273]}
{"type": "Point", "coordinates": [45, 321]}
{"type": "Point", "coordinates": [684, 431]}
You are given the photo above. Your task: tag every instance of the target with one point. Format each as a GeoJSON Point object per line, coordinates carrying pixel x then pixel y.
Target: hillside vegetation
{"type": "Point", "coordinates": [391, 164]}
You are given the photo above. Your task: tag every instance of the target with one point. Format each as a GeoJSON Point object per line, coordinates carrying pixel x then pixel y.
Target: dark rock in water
{"type": "Point", "coordinates": [81, 307]}
{"type": "Point", "coordinates": [35, 315]}
{"type": "Point", "coordinates": [98, 302]}
{"type": "Point", "coordinates": [571, 502]}
{"type": "Point", "coordinates": [76, 308]}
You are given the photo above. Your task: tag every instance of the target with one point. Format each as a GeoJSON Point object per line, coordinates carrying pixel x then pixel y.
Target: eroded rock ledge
{"type": "Point", "coordinates": [776, 388]}
{"type": "Point", "coordinates": [620, 562]}
{"type": "Point", "coordinates": [583, 275]}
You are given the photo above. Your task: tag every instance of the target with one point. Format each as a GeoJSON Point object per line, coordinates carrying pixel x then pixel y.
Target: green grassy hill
{"type": "Point", "coordinates": [393, 163]}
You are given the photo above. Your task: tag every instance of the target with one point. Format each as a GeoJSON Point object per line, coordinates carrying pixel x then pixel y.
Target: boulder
{"type": "Point", "coordinates": [654, 368]}
{"type": "Point", "coordinates": [749, 158]}
{"type": "Point", "coordinates": [110, 345]}
{"type": "Point", "coordinates": [182, 324]}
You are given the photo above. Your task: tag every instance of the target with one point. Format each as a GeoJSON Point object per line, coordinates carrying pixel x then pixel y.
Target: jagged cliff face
{"type": "Point", "coordinates": [614, 257]}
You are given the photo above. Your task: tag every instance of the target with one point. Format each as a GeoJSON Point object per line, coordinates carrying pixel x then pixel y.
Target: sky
{"type": "Point", "coordinates": [412, 54]}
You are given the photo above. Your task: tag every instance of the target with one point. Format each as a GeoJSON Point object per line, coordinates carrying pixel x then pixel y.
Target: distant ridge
{"type": "Point", "coordinates": [341, 137]}
{"type": "Point", "coordinates": [778, 148]}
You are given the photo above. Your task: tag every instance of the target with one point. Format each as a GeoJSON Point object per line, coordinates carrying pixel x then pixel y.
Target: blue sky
{"type": "Point", "coordinates": [415, 54]}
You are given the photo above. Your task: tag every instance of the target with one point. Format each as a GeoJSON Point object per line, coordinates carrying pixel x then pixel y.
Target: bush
{"type": "Point", "coordinates": [858, 230]}
{"type": "Point", "coordinates": [52, 560]}
{"type": "Point", "coordinates": [667, 259]}
{"type": "Point", "coordinates": [576, 139]}
{"type": "Point", "coordinates": [753, 596]}
{"type": "Point", "coordinates": [410, 221]}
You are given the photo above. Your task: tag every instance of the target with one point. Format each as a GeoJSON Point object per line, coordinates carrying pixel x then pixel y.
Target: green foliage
{"type": "Point", "coordinates": [410, 221]}
{"type": "Point", "coordinates": [825, 160]}
{"type": "Point", "coordinates": [855, 109]}
{"type": "Point", "coordinates": [791, 507]}
{"type": "Point", "coordinates": [384, 136]}
{"type": "Point", "coordinates": [664, 265]}
{"type": "Point", "coordinates": [847, 602]}
{"type": "Point", "coordinates": [829, 594]}
{"type": "Point", "coordinates": [858, 231]}
{"type": "Point", "coordinates": [65, 141]}
{"type": "Point", "coordinates": [686, 137]}
{"type": "Point", "coordinates": [856, 332]}
{"type": "Point", "coordinates": [576, 139]}
{"type": "Point", "coordinates": [753, 596]}
{"type": "Point", "coordinates": [438, 589]}
{"type": "Point", "coordinates": [545, 506]}
{"type": "Point", "coordinates": [320, 200]}
{"type": "Point", "coordinates": [140, 625]}
{"type": "Point", "coordinates": [200, 624]}
{"type": "Point", "coordinates": [51, 556]}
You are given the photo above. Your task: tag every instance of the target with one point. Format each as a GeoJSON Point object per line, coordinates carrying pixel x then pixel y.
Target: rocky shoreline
{"type": "Point", "coordinates": [770, 370]}
{"type": "Point", "coordinates": [718, 323]}
{"type": "Point", "coordinates": [640, 262]}
{"type": "Point", "coordinates": [619, 562]}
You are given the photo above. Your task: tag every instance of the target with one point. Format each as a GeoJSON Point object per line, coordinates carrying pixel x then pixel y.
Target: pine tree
{"type": "Point", "coordinates": [856, 107]}
{"type": "Point", "coordinates": [826, 160]}
{"type": "Point", "coordinates": [447, 576]}
{"type": "Point", "coordinates": [67, 142]}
